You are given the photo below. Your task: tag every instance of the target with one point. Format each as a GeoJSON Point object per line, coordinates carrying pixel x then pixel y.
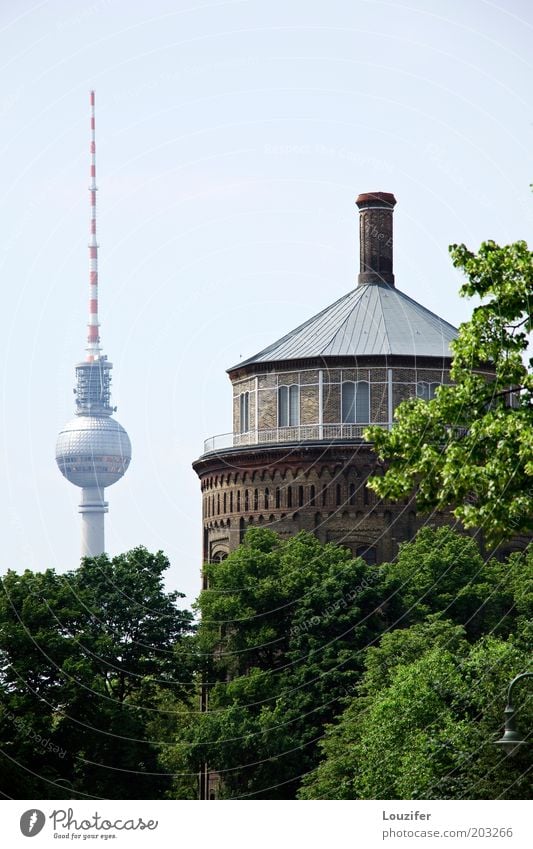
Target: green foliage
{"type": "Point", "coordinates": [284, 626]}
{"type": "Point", "coordinates": [430, 705]}
{"type": "Point", "coordinates": [471, 447]}
{"type": "Point", "coordinates": [85, 659]}
{"type": "Point", "coordinates": [442, 573]}
{"type": "Point", "coordinates": [294, 632]}
{"type": "Point", "coordinates": [400, 670]}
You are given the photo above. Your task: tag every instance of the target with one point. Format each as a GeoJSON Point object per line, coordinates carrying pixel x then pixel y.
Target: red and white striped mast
{"type": "Point", "coordinates": [93, 338]}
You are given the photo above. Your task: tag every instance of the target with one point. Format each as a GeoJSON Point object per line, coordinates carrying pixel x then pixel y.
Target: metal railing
{"type": "Point", "coordinates": [300, 433]}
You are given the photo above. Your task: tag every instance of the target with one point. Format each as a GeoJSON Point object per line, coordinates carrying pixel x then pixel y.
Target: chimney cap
{"type": "Point", "coordinates": [376, 199]}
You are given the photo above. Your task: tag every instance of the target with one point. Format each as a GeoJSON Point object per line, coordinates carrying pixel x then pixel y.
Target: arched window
{"type": "Point", "coordinates": [324, 495]}
{"type": "Point", "coordinates": [289, 406]}
{"type": "Point", "coordinates": [425, 390]}
{"type": "Point", "coordinates": [355, 402]}
{"type": "Point", "coordinates": [256, 499]}
{"type": "Point", "coordinates": [225, 503]}
{"type": "Point", "coordinates": [300, 496]}
{"type": "Point", "coordinates": [219, 557]}
{"type": "Point", "coordinates": [278, 497]}
{"type": "Point", "coordinates": [244, 408]}
{"type": "Point", "coordinates": [352, 494]}
{"type": "Point", "coordinates": [267, 494]}
{"type": "Point", "coordinates": [246, 501]}
{"type": "Point", "coordinates": [231, 502]}
{"type": "Point", "coordinates": [289, 496]}
{"type": "Point", "coordinates": [312, 496]}
{"type": "Point", "coordinates": [338, 495]}
{"type": "Point", "coordinates": [238, 501]}
{"type": "Point", "coordinates": [218, 504]}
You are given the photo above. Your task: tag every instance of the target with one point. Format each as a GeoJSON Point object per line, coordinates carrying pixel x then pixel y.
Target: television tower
{"type": "Point", "coordinates": [93, 450]}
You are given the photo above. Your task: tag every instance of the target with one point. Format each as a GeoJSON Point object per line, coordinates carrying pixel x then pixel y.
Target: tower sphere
{"type": "Point", "coordinates": [93, 451]}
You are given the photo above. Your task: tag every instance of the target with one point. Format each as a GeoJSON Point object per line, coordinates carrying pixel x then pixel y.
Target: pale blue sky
{"type": "Point", "coordinates": [233, 138]}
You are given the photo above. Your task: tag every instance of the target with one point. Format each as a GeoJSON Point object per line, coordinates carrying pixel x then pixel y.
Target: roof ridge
{"type": "Point", "coordinates": [292, 332]}
{"type": "Point", "coordinates": [353, 293]}
{"type": "Point", "coordinates": [386, 329]}
{"type": "Point", "coordinates": [332, 310]}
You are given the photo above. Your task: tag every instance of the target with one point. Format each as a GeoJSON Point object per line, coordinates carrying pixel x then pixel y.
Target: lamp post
{"type": "Point", "coordinates": [512, 739]}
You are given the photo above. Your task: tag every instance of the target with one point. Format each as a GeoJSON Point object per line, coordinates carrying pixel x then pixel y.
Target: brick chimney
{"type": "Point", "coordinates": [375, 237]}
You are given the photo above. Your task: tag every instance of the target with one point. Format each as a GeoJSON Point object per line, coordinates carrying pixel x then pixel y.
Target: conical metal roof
{"type": "Point", "coordinates": [373, 319]}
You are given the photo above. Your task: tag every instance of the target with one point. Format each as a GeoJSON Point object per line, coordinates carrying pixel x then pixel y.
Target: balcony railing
{"type": "Point", "coordinates": [300, 433]}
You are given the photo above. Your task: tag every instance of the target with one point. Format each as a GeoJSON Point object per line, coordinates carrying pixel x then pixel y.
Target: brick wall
{"type": "Point", "coordinates": [325, 494]}
{"type": "Point", "coordinates": [309, 412]}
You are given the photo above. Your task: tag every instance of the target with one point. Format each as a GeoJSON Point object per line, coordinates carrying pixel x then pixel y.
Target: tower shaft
{"type": "Point", "coordinates": [93, 508]}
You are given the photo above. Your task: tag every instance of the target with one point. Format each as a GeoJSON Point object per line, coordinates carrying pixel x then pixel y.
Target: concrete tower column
{"type": "Point", "coordinates": [375, 237]}
{"type": "Point", "coordinates": [92, 509]}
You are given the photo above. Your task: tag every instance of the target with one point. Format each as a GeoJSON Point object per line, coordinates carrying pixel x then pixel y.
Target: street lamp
{"type": "Point", "coordinates": [512, 739]}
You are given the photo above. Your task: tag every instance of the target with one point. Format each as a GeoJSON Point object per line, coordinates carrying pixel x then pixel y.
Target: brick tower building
{"type": "Point", "coordinates": [296, 458]}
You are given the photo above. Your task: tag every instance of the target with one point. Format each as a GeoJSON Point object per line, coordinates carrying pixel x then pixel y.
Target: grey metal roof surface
{"type": "Point", "coordinates": [372, 319]}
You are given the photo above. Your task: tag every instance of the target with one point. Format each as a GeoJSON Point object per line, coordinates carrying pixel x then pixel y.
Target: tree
{"type": "Point", "coordinates": [442, 572]}
{"type": "Point", "coordinates": [287, 633]}
{"type": "Point", "coordinates": [471, 447]}
{"type": "Point", "coordinates": [429, 708]}
{"type": "Point", "coordinates": [283, 630]}
{"type": "Point", "coordinates": [85, 661]}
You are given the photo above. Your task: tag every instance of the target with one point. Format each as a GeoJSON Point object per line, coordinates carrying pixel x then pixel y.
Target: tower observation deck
{"type": "Point", "coordinates": [93, 450]}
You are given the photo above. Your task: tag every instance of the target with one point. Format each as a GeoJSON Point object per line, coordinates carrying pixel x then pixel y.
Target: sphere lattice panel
{"type": "Point", "coordinates": [93, 451]}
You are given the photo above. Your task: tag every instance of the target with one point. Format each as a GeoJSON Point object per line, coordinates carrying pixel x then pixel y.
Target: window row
{"type": "Point", "coordinates": [355, 403]}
